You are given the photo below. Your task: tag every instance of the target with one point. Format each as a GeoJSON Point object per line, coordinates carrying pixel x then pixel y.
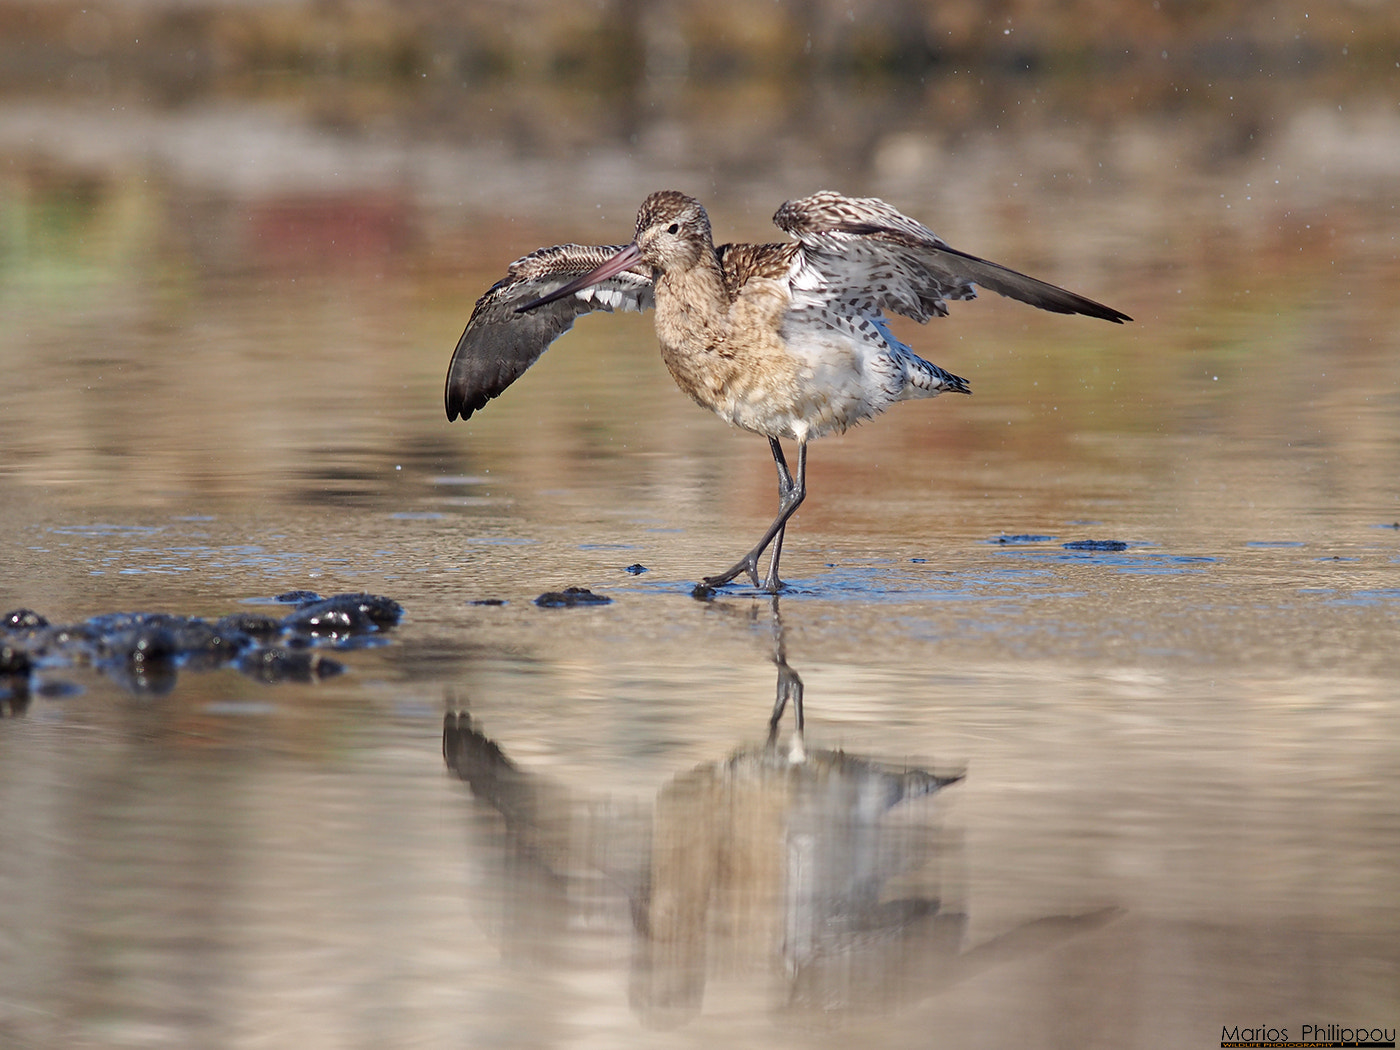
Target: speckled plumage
{"type": "Point", "coordinates": [786, 340]}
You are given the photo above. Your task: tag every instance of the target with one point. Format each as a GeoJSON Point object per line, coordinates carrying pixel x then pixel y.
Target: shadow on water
{"type": "Point", "coordinates": [829, 873]}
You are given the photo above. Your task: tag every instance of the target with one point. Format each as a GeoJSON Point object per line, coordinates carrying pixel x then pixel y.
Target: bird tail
{"type": "Point", "coordinates": [926, 379]}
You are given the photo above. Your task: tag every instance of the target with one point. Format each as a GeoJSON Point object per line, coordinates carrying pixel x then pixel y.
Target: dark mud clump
{"type": "Point", "coordinates": [297, 597]}
{"type": "Point", "coordinates": [570, 597]}
{"type": "Point", "coordinates": [345, 615]}
{"type": "Point", "coordinates": [144, 652]}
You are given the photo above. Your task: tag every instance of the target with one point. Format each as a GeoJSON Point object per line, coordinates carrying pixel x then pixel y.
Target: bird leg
{"type": "Point", "coordinates": [791, 492]}
{"type": "Point", "coordinates": [785, 489]}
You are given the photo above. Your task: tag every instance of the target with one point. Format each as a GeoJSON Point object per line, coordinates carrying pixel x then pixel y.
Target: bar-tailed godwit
{"type": "Point", "coordinates": [786, 340]}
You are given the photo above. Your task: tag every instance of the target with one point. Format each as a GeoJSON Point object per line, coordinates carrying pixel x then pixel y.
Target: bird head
{"type": "Point", "coordinates": [672, 230]}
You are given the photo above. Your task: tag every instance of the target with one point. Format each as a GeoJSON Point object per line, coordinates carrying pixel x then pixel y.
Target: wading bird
{"type": "Point", "coordinates": [786, 340]}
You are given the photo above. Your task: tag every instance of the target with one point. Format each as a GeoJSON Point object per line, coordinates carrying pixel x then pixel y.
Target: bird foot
{"type": "Point", "coordinates": [707, 587]}
{"type": "Point", "coordinates": [748, 565]}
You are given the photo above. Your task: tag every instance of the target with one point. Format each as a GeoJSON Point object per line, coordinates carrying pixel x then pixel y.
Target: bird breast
{"type": "Point", "coordinates": [758, 372]}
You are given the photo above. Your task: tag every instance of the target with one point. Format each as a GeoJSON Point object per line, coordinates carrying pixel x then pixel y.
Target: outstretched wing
{"type": "Point", "coordinates": [861, 252]}
{"type": "Point", "coordinates": [499, 344]}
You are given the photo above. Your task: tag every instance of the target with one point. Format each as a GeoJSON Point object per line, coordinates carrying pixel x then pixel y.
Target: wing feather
{"type": "Point", "coordinates": [864, 253]}
{"type": "Point", "coordinates": [498, 344]}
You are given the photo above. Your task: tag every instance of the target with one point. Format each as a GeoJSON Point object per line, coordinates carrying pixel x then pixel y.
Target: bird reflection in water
{"type": "Point", "coordinates": [828, 872]}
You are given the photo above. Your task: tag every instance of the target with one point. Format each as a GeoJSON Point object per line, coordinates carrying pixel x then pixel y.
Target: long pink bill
{"type": "Point", "coordinates": [619, 262]}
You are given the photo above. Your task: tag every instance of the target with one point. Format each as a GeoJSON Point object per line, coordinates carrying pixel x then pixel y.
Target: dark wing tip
{"type": "Point", "coordinates": [458, 396]}
{"type": "Point", "coordinates": [1082, 304]}
{"type": "Point", "coordinates": [458, 404]}
{"type": "Point", "coordinates": [1073, 303]}
{"type": "Point", "coordinates": [493, 353]}
{"type": "Point", "coordinates": [1089, 308]}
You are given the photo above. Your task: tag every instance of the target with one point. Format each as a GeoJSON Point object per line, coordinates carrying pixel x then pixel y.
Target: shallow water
{"type": "Point", "coordinates": [1178, 810]}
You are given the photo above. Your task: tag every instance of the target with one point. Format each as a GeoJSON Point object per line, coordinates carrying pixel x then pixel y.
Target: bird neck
{"type": "Point", "coordinates": [692, 304]}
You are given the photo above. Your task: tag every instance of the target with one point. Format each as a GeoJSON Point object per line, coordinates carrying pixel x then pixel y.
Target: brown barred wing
{"type": "Point", "coordinates": [865, 255]}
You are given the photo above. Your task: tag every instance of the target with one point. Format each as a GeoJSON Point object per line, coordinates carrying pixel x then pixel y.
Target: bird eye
{"type": "Point", "coordinates": [675, 227]}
